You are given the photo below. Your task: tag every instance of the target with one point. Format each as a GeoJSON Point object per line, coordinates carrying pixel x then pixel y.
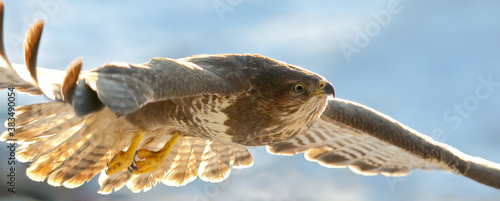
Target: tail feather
{"type": "Point", "coordinates": [44, 145]}
{"type": "Point", "coordinates": [56, 175]}
{"type": "Point", "coordinates": [90, 172]}
{"type": "Point", "coordinates": [37, 136]}
{"type": "Point", "coordinates": [185, 166]}
{"type": "Point", "coordinates": [241, 157]}
{"type": "Point", "coordinates": [76, 170]}
{"type": "Point", "coordinates": [38, 129]}
{"type": "Point", "coordinates": [68, 150]}
{"type": "Point", "coordinates": [41, 110]}
{"type": "Point", "coordinates": [94, 148]}
{"type": "Point", "coordinates": [59, 132]}
{"type": "Point", "coordinates": [212, 168]}
{"type": "Point", "coordinates": [114, 182]}
{"type": "Point", "coordinates": [39, 170]}
{"type": "Point", "coordinates": [75, 160]}
{"type": "Point", "coordinates": [65, 149]}
{"type": "Point", "coordinates": [34, 115]}
{"type": "Point", "coordinates": [28, 113]}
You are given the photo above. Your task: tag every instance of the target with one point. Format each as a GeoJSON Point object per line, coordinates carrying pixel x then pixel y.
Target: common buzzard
{"type": "Point", "coordinates": [172, 120]}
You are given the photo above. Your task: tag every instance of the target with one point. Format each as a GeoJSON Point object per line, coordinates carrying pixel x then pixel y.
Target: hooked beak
{"type": "Point", "coordinates": [325, 88]}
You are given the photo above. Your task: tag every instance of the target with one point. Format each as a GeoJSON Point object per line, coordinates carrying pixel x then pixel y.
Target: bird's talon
{"type": "Point", "coordinates": [150, 160]}
{"type": "Point", "coordinates": [123, 159]}
{"type": "Point", "coordinates": [119, 162]}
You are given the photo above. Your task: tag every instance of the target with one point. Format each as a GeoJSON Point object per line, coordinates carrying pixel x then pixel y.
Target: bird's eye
{"type": "Point", "coordinates": [299, 88]}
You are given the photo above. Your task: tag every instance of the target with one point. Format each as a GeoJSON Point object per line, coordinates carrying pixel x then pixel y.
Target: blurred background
{"type": "Point", "coordinates": [416, 61]}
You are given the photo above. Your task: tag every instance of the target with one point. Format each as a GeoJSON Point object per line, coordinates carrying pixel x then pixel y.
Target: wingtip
{"type": "Point", "coordinates": [1, 10]}
{"type": "Point", "coordinates": [482, 171]}
{"type": "Point", "coordinates": [31, 47]}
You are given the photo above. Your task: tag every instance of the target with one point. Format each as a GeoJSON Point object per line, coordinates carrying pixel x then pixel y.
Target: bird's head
{"type": "Point", "coordinates": [282, 101]}
{"type": "Point", "coordinates": [290, 95]}
{"type": "Point", "coordinates": [291, 86]}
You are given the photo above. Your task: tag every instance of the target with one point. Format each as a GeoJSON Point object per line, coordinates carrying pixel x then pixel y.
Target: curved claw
{"type": "Point", "coordinates": [150, 160]}
{"type": "Point", "coordinates": [124, 159]}
{"type": "Point", "coordinates": [119, 162]}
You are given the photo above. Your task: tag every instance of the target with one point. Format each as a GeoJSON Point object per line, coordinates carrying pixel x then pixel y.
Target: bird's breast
{"type": "Point", "coordinates": [227, 119]}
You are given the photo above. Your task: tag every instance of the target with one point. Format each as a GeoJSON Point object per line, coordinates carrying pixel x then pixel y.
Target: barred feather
{"type": "Point", "coordinates": [114, 182]}
{"type": "Point", "coordinates": [336, 146]}
{"type": "Point", "coordinates": [68, 150]}
{"type": "Point", "coordinates": [44, 142]}
{"type": "Point", "coordinates": [184, 168]}
{"type": "Point", "coordinates": [241, 157]}
{"type": "Point", "coordinates": [215, 165]}
{"type": "Point", "coordinates": [40, 169]}
{"type": "Point", "coordinates": [182, 165]}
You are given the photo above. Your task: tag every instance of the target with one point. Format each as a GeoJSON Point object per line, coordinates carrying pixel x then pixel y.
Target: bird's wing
{"type": "Point", "coordinates": [368, 142]}
{"type": "Point", "coordinates": [16, 75]}
{"type": "Point", "coordinates": [133, 85]}
{"type": "Point", "coordinates": [163, 78]}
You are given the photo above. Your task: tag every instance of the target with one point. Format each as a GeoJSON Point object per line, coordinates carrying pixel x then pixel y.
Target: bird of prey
{"type": "Point", "coordinates": [173, 120]}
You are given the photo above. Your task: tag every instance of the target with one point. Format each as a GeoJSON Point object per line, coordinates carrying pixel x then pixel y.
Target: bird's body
{"type": "Point", "coordinates": [246, 116]}
{"type": "Point", "coordinates": [173, 120]}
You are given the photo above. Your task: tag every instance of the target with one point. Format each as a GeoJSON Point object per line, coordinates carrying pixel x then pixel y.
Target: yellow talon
{"type": "Point", "coordinates": [123, 159]}
{"type": "Point", "coordinates": [151, 159]}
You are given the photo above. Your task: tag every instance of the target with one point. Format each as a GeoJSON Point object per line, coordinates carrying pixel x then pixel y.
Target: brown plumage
{"type": "Point", "coordinates": [219, 105]}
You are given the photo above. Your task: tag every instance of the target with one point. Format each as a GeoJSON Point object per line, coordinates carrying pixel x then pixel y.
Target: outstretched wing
{"type": "Point", "coordinates": [163, 78]}
{"type": "Point", "coordinates": [134, 85]}
{"type": "Point", "coordinates": [368, 142]}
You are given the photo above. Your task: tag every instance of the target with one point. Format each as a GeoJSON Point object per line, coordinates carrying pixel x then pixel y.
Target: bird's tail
{"type": "Point", "coordinates": [69, 150]}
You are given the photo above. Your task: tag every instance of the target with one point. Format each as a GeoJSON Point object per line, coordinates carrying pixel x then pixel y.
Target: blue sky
{"type": "Point", "coordinates": [417, 64]}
